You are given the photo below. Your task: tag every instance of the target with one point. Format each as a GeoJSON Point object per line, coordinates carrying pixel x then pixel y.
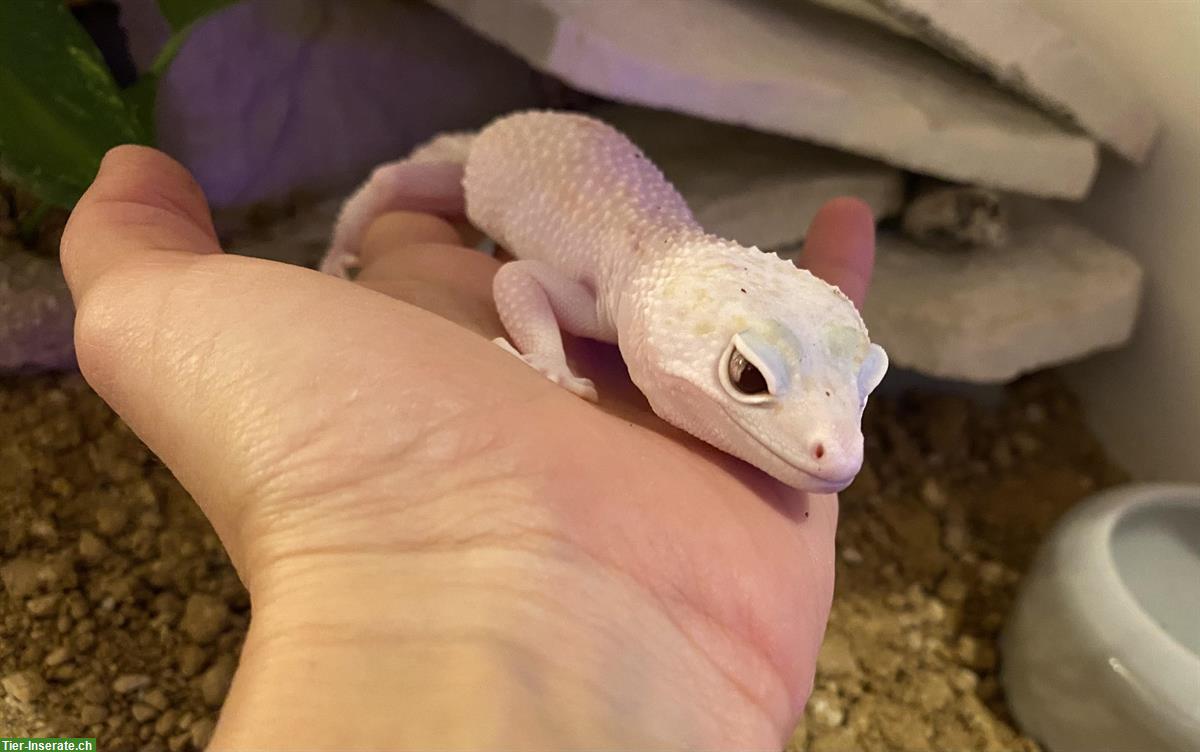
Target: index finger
{"type": "Point", "coordinates": [840, 246]}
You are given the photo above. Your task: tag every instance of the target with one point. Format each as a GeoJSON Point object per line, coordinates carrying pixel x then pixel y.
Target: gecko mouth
{"type": "Point", "coordinates": [821, 483]}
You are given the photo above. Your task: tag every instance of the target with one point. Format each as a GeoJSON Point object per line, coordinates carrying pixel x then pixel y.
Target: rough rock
{"type": "Point", "coordinates": [37, 316]}
{"type": "Point", "coordinates": [956, 217]}
{"type": "Point", "coordinates": [1054, 294]}
{"type": "Point", "coordinates": [1030, 54]}
{"type": "Point", "coordinates": [756, 188]}
{"type": "Point", "coordinates": [800, 71]}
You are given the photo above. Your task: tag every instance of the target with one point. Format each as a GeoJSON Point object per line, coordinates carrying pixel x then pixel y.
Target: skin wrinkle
{"type": "Point", "coordinates": [519, 656]}
{"type": "Point", "coordinates": [545, 602]}
{"type": "Point", "coordinates": [406, 455]}
{"type": "Point", "coordinates": [751, 628]}
{"type": "Point", "coordinates": [689, 604]}
{"type": "Point", "coordinates": [267, 527]}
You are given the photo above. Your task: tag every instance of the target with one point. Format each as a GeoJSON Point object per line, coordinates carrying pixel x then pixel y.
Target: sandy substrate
{"type": "Point", "coordinates": [121, 618]}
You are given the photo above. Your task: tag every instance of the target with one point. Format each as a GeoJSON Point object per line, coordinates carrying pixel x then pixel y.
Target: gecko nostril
{"type": "Point", "coordinates": [818, 450]}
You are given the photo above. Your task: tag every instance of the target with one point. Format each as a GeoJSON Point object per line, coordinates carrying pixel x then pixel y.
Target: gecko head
{"type": "Point", "coordinates": [779, 379]}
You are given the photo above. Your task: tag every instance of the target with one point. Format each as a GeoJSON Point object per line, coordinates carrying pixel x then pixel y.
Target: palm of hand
{"type": "Point", "coordinates": [348, 423]}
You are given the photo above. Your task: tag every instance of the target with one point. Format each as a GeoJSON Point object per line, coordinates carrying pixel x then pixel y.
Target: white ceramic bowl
{"type": "Point", "coordinates": [1102, 650]}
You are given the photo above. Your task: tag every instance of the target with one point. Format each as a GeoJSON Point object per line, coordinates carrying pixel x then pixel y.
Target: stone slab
{"type": "Point", "coordinates": [796, 70]}
{"type": "Point", "coordinates": [1030, 54]}
{"type": "Point", "coordinates": [1054, 294]}
{"type": "Point", "coordinates": [756, 188]}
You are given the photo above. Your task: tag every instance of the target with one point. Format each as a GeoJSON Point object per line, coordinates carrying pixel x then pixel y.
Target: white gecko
{"type": "Point", "coordinates": [735, 346]}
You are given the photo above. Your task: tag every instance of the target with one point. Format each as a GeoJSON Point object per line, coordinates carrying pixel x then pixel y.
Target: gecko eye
{"type": "Point", "coordinates": [744, 374]}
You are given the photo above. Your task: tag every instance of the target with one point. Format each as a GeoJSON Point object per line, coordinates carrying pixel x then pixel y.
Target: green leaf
{"type": "Point", "coordinates": [181, 14]}
{"type": "Point", "coordinates": [140, 98]}
{"type": "Point", "coordinates": [62, 109]}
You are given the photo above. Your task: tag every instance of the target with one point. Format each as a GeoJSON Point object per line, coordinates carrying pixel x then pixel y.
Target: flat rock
{"type": "Point", "coordinates": [1055, 293]}
{"type": "Point", "coordinates": [800, 71]}
{"type": "Point", "coordinates": [755, 188]}
{"type": "Point", "coordinates": [1027, 53]}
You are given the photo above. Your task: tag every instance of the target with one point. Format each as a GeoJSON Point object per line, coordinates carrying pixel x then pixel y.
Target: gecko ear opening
{"type": "Point", "coordinates": [874, 366]}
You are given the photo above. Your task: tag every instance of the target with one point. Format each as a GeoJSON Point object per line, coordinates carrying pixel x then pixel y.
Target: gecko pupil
{"type": "Point", "coordinates": [745, 376]}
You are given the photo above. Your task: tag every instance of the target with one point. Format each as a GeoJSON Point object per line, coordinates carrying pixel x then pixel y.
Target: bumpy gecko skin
{"type": "Point", "coordinates": [737, 347]}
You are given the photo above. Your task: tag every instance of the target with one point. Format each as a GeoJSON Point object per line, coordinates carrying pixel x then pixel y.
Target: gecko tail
{"type": "Point", "coordinates": [429, 180]}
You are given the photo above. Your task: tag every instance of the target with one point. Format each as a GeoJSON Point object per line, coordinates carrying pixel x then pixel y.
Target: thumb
{"type": "Point", "coordinates": [143, 206]}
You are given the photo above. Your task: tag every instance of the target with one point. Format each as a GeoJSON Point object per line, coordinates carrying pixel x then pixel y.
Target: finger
{"type": "Point", "coordinates": [143, 205]}
{"type": "Point", "coordinates": [417, 258]}
{"type": "Point", "coordinates": [840, 246]}
{"type": "Point", "coordinates": [404, 228]}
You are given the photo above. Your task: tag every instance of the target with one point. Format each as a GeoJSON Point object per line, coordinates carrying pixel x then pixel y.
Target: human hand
{"type": "Point", "coordinates": [442, 548]}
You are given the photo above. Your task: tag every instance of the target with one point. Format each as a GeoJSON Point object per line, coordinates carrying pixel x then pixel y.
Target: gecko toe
{"type": "Point", "coordinates": [557, 372]}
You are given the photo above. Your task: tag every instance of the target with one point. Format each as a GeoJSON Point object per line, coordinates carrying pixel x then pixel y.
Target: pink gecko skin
{"type": "Point", "coordinates": [738, 347]}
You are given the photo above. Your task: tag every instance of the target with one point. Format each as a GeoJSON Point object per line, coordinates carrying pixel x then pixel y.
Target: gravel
{"type": "Point", "coordinates": [117, 596]}
{"type": "Point", "coordinates": [121, 617]}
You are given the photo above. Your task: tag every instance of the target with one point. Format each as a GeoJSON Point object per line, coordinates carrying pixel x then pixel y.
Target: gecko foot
{"type": "Point", "coordinates": [556, 371]}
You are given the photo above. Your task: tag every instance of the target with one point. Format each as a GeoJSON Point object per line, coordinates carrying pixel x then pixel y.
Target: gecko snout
{"type": "Point", "coordinates": [832, 461]}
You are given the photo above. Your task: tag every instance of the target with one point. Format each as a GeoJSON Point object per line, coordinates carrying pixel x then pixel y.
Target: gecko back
{"type": "Point", "coordinates": [569, 190]}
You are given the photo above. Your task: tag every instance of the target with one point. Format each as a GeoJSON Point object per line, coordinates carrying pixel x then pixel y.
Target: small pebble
{"type": "Point", "coordinates": [825, 709]}
{"type": "Point", "coordinates": [111, 520]}
{"type": "Point", "coordinates": [932, 494]}
{"type": "Point", "coordinates": [143, 712]}
{"type": "Point", "coordinates": [24, 686]}
{"type": "Point", "coordinates": [991, 573]}
{"type": "Point", "coordinates": [89, 714]}
{"type": "Point", "coordinates": [165, 723]}
{"type": "Point", "coordinates": [44, 605]}
{"type": "Point", "coordinates": [91, 548]}
{"type": "Point", "coordinates": [836, 657]}
{"type": "Point", "coordinates": [214, 683]}
{"type": "Point", "coordinates": [954, 538]}
{"type": "Point", "coordinates": [156, 698]}
{"type": "Point", "coordinates": [58, 656]}
{"type": "Point", "coordinates": [20, 578]}
{"type": "Point", "coordinates": [201, 732]}
{"type": "Point", "coordinates": [976, 654]}
{"type": "Point", "coordinates": [192, 659]}
{"type": "Point", "coordinates": [204, 618]}
{"type": "Point", "coordinates": [129, 682]}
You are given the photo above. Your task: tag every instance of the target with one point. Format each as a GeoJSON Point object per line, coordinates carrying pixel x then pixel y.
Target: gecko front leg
{"type": "Point", "coordinates": [536, 304]}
